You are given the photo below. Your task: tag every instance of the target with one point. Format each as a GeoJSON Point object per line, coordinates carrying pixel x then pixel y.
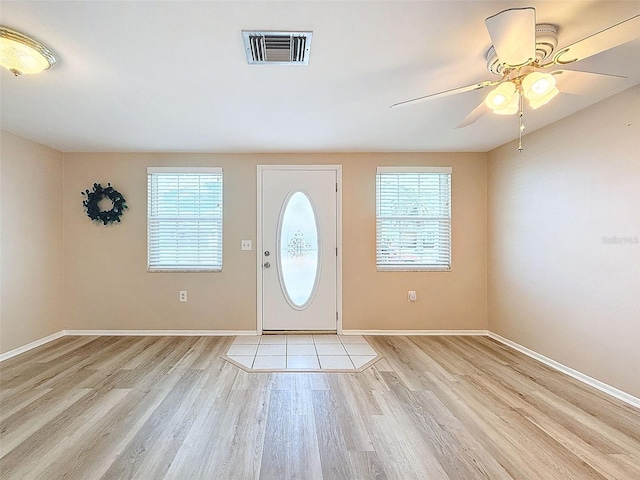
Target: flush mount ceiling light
{"type": "Point", "coordinates": [23, 55]}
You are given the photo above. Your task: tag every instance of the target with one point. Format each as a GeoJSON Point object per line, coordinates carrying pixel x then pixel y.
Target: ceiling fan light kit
{"type": "Point", "coordinates": [23, 55]}
{"type": "Point", "coordinates": [518, 54]}
{"type": "Point", "coordinates": [537, 87]}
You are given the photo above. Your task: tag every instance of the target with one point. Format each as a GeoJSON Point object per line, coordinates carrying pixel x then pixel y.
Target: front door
{"type": "Point", "coordinates": [298, 239]}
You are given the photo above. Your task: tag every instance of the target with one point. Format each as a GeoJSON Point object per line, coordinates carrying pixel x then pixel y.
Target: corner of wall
{"type": "Point", "coordinates": [32, 247]}
{"type": "Point", "coordinates": [64, 254]}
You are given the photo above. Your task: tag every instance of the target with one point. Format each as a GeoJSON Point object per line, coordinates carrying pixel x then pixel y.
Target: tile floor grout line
{"type": "Point", "coordinates": [355, 346]}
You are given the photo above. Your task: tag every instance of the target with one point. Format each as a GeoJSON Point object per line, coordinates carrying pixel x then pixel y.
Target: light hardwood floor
{"type": "Point", "coordinates": [433, 408]}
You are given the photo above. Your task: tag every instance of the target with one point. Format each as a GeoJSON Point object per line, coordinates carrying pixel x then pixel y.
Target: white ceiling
{"type": "Point", "coordinates": [173, 76]}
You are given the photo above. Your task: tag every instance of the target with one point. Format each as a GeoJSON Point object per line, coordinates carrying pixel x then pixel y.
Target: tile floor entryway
{"type": "Point", "coordinates": [348, 353]}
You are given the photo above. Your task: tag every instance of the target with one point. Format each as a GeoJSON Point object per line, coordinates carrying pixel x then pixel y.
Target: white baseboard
{"type": "Point", "coordinates": [597, 384]}
{"type": "Point", "coordinates": [32, 345]}
{"type": "Point", "coordinates": [415, 332]}
{"type": "Point", "coordinates": [162, 333]}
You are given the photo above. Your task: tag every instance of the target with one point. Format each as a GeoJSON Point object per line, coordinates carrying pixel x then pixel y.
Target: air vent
{"type": "Point", "coordinates": [281, 48]}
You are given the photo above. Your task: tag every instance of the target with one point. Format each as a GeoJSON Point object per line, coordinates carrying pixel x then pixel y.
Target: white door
{"type": "Point", "coordinates": [298, 268]}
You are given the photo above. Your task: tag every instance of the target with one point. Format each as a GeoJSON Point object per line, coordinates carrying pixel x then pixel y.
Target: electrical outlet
{"type": "Point", "coordinates": [412, 296]}
{"type": "Point", "coordinates": [246, 244]}
{"type": "Point", "coordinates": [183, 295]}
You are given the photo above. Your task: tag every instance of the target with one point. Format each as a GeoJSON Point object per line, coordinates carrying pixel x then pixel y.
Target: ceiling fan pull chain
{"type": "Point", "coordinates": [520, 113]}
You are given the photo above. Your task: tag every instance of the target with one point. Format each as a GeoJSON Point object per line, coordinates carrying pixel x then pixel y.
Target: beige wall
{"type": "Point", "coordinates": [31, 242]}
{"type": "Point", "coordinates": [107, 286]}
{"type": "Point", "coordinates": [446, 300]}
{"type": "Point", "coordinates": [556, 285]}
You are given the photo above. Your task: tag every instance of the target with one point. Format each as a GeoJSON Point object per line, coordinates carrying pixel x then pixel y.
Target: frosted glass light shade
{"type": "Point", "coordinates": [511, 108]}
{"type": "Point", "coordinates": [536, 102]}
{"type": "Point", "coordinates": [539, 88]}
{"type": "Point", "coordinates": [537, 84]}
{"type": "Point", "coordinates": [22, 55]}
{"type": "Point", "coordinates": [500, 97]}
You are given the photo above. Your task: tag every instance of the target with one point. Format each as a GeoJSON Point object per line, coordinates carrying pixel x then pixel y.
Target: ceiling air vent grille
{"type": "Point", "coordinates": [281, 48]}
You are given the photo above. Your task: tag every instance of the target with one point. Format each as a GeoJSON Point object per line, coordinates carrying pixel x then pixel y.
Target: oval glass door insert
{"type": "Point", "coordinates": [298, 262]}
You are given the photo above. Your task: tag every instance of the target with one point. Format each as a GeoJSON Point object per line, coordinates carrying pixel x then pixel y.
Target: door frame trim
{"type": "Point", "coordinates": [333, 168]}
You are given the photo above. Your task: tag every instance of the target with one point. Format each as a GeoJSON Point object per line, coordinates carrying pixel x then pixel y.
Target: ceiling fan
{"type": "Point", "coordinates": [524, 55]}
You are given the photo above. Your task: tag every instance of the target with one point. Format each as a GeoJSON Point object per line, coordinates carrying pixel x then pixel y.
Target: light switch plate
{"type": "Point", "coordinates": [246, 245]}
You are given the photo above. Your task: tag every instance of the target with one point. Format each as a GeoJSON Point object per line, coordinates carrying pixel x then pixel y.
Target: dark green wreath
{"type": "Point", "coordinates": [93, 207]}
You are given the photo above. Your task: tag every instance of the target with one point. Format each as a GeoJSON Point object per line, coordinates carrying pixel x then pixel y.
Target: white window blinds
{"type": "Point", "coordinates": [413, 218]}
{"type": "Point", "coordinates": [184, 219]}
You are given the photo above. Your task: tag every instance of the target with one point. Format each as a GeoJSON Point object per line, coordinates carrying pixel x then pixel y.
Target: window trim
{"type": "Point", "coordinates": [185, 170]}
{"type": "Point", "coordinates": [413, 268]}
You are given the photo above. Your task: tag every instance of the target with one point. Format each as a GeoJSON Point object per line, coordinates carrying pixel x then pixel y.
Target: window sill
{"type": "Point", "coordinates": [408, 268]}
{"type": "Point", "coordinates": [184, 270]}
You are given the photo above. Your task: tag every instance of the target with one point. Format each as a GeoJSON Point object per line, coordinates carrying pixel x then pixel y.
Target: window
{"type": "Point", "coordinates": [413, 218]}
{"type": "Point", "coordinates": [184, 219]}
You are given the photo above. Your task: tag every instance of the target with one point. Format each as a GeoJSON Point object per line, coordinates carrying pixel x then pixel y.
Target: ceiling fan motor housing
{"type": "Point", "coordinates": [546, 43]}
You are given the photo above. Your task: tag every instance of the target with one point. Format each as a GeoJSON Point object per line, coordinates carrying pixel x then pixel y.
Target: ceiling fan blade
{"type": "Point", "coordinates": [475, 114]}
{"type": "Point", "coordinates": [608, 38]}
{"type": "Point", "coordinates": [446, 93]}
{"type": "Point", "coordinates": [578, 82]}
{"type": "Point", "coordinates": [513, 33]}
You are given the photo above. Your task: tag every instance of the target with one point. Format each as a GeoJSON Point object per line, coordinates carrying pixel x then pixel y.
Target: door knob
{"type": "Point", "coordinates": [267, 264]}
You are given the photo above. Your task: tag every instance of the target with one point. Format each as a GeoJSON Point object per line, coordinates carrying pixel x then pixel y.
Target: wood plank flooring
{"type": "Point", "coordinates": [433, 408]}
